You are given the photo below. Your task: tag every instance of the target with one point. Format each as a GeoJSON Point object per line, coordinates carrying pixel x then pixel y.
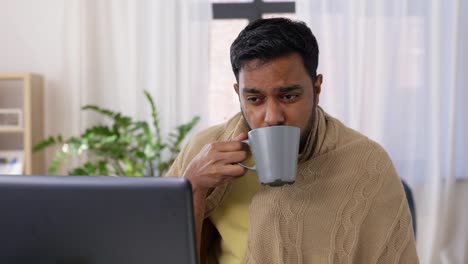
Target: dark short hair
{"type": "Point", "coordinates": [267, 39]}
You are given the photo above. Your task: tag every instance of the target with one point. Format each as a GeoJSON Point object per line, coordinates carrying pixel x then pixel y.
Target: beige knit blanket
{"type": "Point", "coordinates": [346, 206]}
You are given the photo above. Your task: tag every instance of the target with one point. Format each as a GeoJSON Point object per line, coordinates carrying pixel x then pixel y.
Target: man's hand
{"type": "Point", "coordinates": [216, 164]}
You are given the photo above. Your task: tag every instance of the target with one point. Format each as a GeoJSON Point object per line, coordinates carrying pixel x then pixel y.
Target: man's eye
{"type": "Point", "coordinates": [254, 99]}
{"type": "Point", "coordinates": [289, 97]}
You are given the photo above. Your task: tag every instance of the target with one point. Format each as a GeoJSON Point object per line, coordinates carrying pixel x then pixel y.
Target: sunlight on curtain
{"type": "Point", "coordinates": [222, 99]}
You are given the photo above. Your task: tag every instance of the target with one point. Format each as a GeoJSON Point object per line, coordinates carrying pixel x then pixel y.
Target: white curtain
{"type": "Point", "coordinates": [116, 49]}
{"type": "Point", "coordinates": [397, 71]}
{"type": "Point", "coordinates": [106, 52]}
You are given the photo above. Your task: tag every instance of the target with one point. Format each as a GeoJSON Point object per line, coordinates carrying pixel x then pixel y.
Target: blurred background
{"type": "Point", "coordinates": [394, 70]}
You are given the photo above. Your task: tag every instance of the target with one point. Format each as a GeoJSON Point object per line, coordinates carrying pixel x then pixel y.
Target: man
{"type": "Point", "coordinates": [347, 204]}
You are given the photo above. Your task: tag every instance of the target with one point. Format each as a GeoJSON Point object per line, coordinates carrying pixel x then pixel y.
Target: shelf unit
{"type": "Point", "coordinates": [23, 91]}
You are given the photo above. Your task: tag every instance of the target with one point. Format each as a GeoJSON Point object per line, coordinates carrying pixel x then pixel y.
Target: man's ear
{"type": "Point", "coordinates": [318, 87]}
{"type": "Point", "coordinates": [236, 88]}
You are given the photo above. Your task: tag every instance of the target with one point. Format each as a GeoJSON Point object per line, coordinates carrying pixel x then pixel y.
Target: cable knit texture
{"type": "Point", "coordinates": [347, 205]}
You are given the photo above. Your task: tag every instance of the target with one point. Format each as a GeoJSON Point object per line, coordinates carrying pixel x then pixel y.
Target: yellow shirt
{"type": "Point", "coordinates": [231, 218]}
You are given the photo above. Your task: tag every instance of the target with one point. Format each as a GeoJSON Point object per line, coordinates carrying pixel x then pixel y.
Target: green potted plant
{"type": "Point", "coordinates": [126, 147]}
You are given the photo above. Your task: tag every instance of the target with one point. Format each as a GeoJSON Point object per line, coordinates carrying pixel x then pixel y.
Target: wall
{"type": "Point", "coordinates": [31, 40]}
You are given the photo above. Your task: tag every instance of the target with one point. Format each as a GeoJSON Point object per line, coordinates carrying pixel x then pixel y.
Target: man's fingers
{"type": "Point", "coordinates": [240, 137]}
{"type": "Point", "coordinates": [226, 146]}
{"type": "Point", "coordinates": [233, 170]}
{"type": "Point", "coordinates": [217, 164]}
{"type": "Point", "coordinates": [233, 156]}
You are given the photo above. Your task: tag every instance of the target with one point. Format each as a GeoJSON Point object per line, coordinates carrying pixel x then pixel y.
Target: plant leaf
{"type": "Point", "coordinates": [44, 144]}
{"type": "Point", "coordinates": [124, 147]}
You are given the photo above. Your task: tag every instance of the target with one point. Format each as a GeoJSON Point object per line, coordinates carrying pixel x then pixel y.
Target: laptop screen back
{"type": "Point", "coordinates": [67, 219]}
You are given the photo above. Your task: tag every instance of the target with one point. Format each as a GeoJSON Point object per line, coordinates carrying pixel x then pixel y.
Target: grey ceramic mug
{"type": "Point", "coordinates": [275, 150]}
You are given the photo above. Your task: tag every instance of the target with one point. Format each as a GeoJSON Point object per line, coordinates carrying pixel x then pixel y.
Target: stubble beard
{"type": "Point", "coordinates": [310, 124]}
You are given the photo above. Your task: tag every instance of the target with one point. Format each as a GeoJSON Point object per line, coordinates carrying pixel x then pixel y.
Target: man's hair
{"type": "Point", "coordinates": [267, 39]}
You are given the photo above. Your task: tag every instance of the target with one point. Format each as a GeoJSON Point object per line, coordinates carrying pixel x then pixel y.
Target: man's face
{"type": "Point", "coordinates": [278, 92]}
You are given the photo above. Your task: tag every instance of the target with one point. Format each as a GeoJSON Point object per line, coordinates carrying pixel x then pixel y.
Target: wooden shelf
{"type": "Point", "coordinates": [15, 75]}
{"type": "Point", "coordinates": [24, 90]}
{"type": "Point", "coordinates": [11, 130]}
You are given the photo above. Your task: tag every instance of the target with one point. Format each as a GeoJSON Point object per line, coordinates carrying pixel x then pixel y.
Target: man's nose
{"type": "Point", "coordinates": [274, 115]}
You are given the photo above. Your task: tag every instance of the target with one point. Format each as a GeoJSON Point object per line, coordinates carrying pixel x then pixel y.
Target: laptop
{"type": "Point", "coordinates": [94, 220]}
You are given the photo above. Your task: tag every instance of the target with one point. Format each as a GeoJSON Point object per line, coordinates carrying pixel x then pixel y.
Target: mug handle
{"type": "Point", "coordinates": [254, 167]}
